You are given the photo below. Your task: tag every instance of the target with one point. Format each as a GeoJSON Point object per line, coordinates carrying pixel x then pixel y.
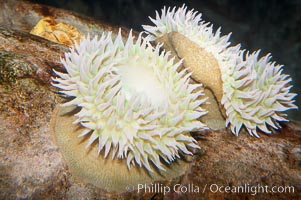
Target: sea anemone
{"type": "Point", "coordinates": [256, 93]}
{"type": "Point", "coordinates": [190, 24]}
{"type": "Point", "coordinates": [133, 102]}
{"type": "Point", "coordinates": [253, 93]}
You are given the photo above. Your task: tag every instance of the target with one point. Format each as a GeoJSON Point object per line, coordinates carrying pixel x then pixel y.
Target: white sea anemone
{"type": "Point", "coordinates": [254, 92]}
{"type": "Point", "coordinates": [190, 24]}
{"type": "Point", "coordinates": [133, 101]}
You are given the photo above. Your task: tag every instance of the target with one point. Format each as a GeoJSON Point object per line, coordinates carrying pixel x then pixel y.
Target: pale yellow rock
{"type": "Point", "coordinates": [105, 173]}
{"type": "Point", "coordinates": [58, 32]}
